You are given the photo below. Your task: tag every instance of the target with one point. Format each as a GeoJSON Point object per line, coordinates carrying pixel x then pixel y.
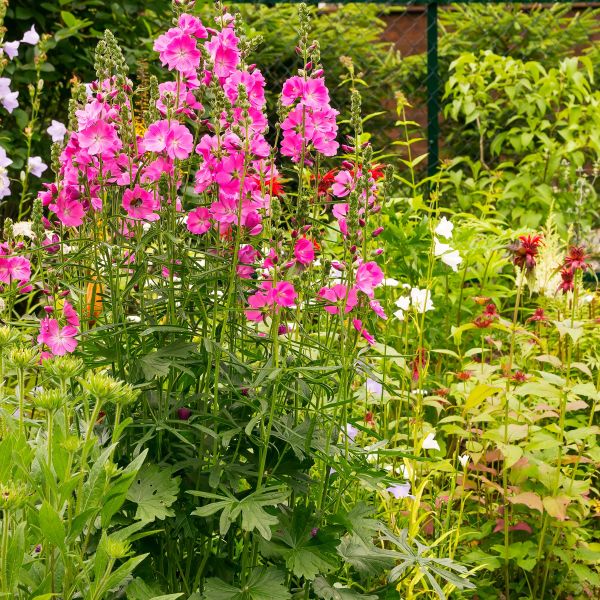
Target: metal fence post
{"type": "Point", "coordinates": [433, 89]}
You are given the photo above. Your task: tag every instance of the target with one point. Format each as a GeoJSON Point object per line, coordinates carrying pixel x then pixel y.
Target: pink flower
{"type": "Point", "coordinates": [180, 53]}
{"type": "Point", "coordinates": [179, 142]}
{"type": "Point", "coordinates": [192, 26]}
{"type": "Point", "coordinates": [283, 293]}
{"type": "Point", "coordinates": [14, 268]}
{"type": "Point", "coordinates": [141, 204]}
{"type": "Point", "coordinates": [224, 52]}
{"type": "Point", "coordinates": [292, 90]}
{"type": "Point", "coordinates": [60, 341]}
{"type": "Point", "coordinates": [70, 314]}
{"type": "Point", "coordinates": [69, 211]}
{"type": "Point", "coordinates": [368, 276]}
{"type": "Point", "coordinates": [359, 327]}
{"type": "Point", "coordinates": [257, 302]}
{"type": "Point", "coordinates": [198, 220]}
{"type": "Point", "coordinates": [304, 251]}
{"type": "Point", "coordinates": [315, 93]}
{"type": "Point", "coordinates": [343, 184]}
{"type": "Point", "coordinates": [99, 138]}
{"type": "Point", "coordinates": [155, 138]}
{"type": "Point", "coordinates": [339, 294]}
{"type": "Point", "coordinates": [377, 309]}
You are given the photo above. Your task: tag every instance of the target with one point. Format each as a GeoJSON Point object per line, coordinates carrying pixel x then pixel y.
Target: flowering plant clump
{"type": "Point", "coordinates": [246, 359]}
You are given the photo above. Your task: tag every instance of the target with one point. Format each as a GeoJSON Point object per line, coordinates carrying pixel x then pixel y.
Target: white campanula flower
{"type": "Point", "coordinates": [463, 459]}
{"type": "Point", "coordinates": [400, 490]}
{"type": "Point", "coordinates": [390, 282]}
{"type": "Point", "coordinates": [421, 300]}
{"type": "Point", "coordinates": [8, 99]}
{"type": "Point", "coordinates": [57, 131]}
{"type": "Point", "coordinates": [449, 256]}
{"type": "Point", "coordinates": [31, 37]}
{"type": "Point", "coordinates": [11, 49]}
{"type": "Point", "coordinates": [430, 443]}
{"type": "Point", "coordinates": [350, 431]}
{"type": "Point", "coordinates": [444, 228]}
{"type": "Point", "coordinates": [36, 165]}
{"type": "Point", "coordinates": [373, 387]}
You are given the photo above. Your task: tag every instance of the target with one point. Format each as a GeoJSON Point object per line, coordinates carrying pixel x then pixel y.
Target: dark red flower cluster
{"type": "Point", "coordinates": [575, 260]}
{"type": "Point", "coordinates": [525, 251]}
{"type": "Point", "coordinates": [487, 316]}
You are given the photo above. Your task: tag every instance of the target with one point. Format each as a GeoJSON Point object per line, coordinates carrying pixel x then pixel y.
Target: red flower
{"type": "Point", "coordinates": [538, 315]}
{"type": "Point", "coordinates": [326, 181]}
{"type": "Point", "coordinates": [576, 258]}
{"type": "Point", "coordinates": [519, 377]}
{"type": "Point", "coordinates": [567, 284]}
{"type": "Point", "coordinates": [419, 363]}
{"type": "Point", "coordinates": [377, 171]}
{"type": "Point", "coordinates": [486, 318]}
{"type": "Point", "coordinates": [463, 375]}
{"type": "Point", "coordinates": [525, 251]}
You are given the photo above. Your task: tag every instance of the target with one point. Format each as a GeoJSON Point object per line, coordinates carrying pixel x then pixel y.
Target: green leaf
{"type": "Point", "coordinates": [359, 521]}
{"type": "Point", "coordinates": [365, 558]}
{"type": "Point", "coordinates": [324, 590]}
{"type": "Point", "coordinates": [263, 584]}
{"type": "Point", "coordinates": [52, 526]}
{"type": "Point", "coordinates": [154, 491]}
{"type": "Point", "coordinates": [251, 509]}
{"type": "Point", "coordinates": [307, 553]}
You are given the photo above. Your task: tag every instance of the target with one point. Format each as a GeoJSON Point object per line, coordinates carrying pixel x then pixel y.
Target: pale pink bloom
{"type": "Point", "coordinates": [257, 302]}
{"type": "Point", "coordinates": [343, 184]}
{"type": "Point", "coordinates": [99, 138]}
{"type": "Point", "coordinates": [368, 276]}
{"type": "Point", "coordinates": [141, 204]}
{"type": "Point", "coordinates": [224, 52]}
{"type": "Point", "coordinates": [359, 327]}
{"type": "Point", "coordinates": [60, 341]}
{"type": "Point", "coordinates": [8, 99]}
{"type": "Point", "coordinates": [70, 314]}
{"type": "Point", "coordinates": [14, 268]}
{"type": "Point", "coordinates": [339, 295]}
{"type": "Point", "coordinates": [225, 211]}
{"type": "Point", "coordinates": [304, 251]}
{"type": "Point", "coordinates": [247, 257]}
{"type": "Point", "coordinates": [198, 220]}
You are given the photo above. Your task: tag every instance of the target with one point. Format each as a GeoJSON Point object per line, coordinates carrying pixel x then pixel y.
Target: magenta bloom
{"type": "Point", "coordinates": [181, 53]}
{"type": "Point", "coordinates": [99, 138]}
{"type": "Point", "coordinates": [343, 184]}
{"type": "Point", "coordinates": [377, 309]}
{"type": "Point", "coordinates": [141, 204]}
{"type": "Point", "coordinates": [339, 295]}
{"type": "Point", "coordinates": [304, 251]}
{"type": "Point", "coordinates": [70, 314]}
{"type": "Point", "coordinates": [155, 138]}
{"type": "Point", "coordinates": [198, 220]}
{"type": "Point", "coordinates": [179, 142]}
{"type": "Point", "coordinates": [14, 268]}
{"type": "Point", "coordinates": [192, 26]}
{"type": "Point", "coordinates": [69, 211]}
{"type": "Point", "coordinates": [283, 294]}
{"type": "Point", "coordinates": [359, 327]}
{"type": "Point", "coordinates": [60, 341]}
{"type": "Point", "coordinates": [368, 276]}
{"type": "Point", "coordinates": [315, 93]}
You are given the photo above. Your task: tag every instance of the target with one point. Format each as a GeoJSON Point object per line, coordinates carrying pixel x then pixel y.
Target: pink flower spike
{"type": "Point", "coordinates": [283, 294]}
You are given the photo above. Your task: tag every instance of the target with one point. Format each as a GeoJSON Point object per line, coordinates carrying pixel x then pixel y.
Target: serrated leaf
{"type": "Point", "coordinates": [324, 590]}
{"type": "Point", "coordinates": [529, 499]}
{"type": "Point", "coordinates": [365, 558]}
{"type": "Point", "coordinates": [154, 491]}
{"type": "Point", "coordinates": [263, 584]}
